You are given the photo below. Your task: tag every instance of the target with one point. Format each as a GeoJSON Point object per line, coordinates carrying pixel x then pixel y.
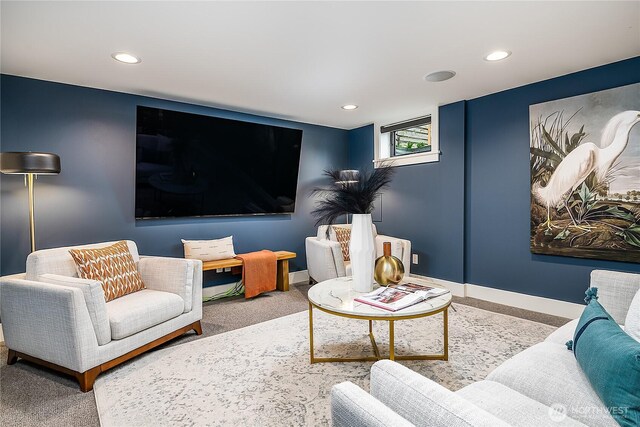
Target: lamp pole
{"type": "Point", "coordinates": [30, 164]}
{"type": "Point", "coordinates": [32, 222]}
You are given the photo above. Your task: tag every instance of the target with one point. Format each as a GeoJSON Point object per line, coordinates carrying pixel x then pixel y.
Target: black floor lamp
{"type": "Point", "coordinates": [30, 164]}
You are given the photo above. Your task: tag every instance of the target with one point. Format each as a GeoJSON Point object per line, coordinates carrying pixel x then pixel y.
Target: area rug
{"type": "Point", "coordinates": [261, 376]}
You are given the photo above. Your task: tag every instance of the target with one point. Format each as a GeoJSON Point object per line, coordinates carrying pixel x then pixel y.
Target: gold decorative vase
{"type": "Point", "coordinates": [388, 269]}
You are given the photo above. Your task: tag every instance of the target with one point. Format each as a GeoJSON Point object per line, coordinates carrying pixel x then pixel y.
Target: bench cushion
{"type": "Point", "coordinates": [209, 250]}
{"type": "Point", "coordinates": [141, 310]}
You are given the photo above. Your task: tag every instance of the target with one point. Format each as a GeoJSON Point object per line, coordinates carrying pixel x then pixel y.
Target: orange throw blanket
{"type": "Point", "coordinates": [259, 270]}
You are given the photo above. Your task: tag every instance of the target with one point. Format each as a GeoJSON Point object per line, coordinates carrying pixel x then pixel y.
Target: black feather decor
{"type": "Point", "coordinates": [354, 197]}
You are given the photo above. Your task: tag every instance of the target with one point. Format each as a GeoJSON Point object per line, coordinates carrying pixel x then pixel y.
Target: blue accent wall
{"type": "Point", "coordinates": [468, 215]}
{"type": "Point", "coordinates": [497, 189]}
{"type": "Point", "coordinates": [92, 200]}
{"type": "Point", "coordinates": [425, 202]}
{"type": "Point", "coordinates": [360, 149]}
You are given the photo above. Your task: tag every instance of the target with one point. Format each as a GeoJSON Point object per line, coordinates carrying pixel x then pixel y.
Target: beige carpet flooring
{"type": "Point", "coordinates": [34, 396]}
{"type": "Point", "coordinates": [260, 375]}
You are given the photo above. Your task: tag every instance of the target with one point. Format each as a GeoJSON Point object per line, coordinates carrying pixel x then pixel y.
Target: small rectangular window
{"type": "Point", "coordinates": [411, 140]}
{"type": "Point", "coordinates": [408, 142]}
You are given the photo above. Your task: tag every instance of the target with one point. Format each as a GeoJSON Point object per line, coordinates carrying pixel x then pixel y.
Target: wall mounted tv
{"type": "Point", "coordinates": [193, 165]}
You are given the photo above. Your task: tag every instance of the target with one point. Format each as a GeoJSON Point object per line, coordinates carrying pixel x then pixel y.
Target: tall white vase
{"type": "Point", "coordinates": [362, 252]}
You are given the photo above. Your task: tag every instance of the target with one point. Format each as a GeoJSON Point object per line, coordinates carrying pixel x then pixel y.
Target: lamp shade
{"type": "Point", "coordinates": [348, 176]}
{"type": "Point", "coordinates": [29, 162]}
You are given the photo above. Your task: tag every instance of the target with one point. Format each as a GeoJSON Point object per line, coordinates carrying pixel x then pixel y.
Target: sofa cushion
{"type": "Point", "coordinates": [563, 333]}
{"type": "Point", "coordinates": [610, 358]}
{"type": "Point", "coordinates": [173, 275]}
{"type": "Point", "coordinates": [113, 265]}
{"type": "Point", "coordinates": [615, 291]}
{"type": "Point", "coordinates": [141, 310]}
{"type": "Point", "coordinates": [343, 236]}
{"type": "Point", "coordinates": [513, 407]}
{"type": "Point", "coordinates": [323, 229]}
{"type": "Point", "coordinates": [548, 373]}
{"type": "Point", "coordinates": [59, 260]}
{"type": "Point", "coordinates": [209, 250]}
{"type": "Point", "coordinates": [632, 322]}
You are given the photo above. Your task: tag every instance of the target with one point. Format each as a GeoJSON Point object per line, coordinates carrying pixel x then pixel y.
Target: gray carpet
{"type": "Point", "coordinates": [34, 396]}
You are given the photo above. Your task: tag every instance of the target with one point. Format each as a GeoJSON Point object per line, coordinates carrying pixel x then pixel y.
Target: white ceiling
{"type": "Point", "coordinates": [303, 60]}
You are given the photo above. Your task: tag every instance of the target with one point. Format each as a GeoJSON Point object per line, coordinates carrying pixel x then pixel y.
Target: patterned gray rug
{"type": "Point", "coordinates": [260, 375]}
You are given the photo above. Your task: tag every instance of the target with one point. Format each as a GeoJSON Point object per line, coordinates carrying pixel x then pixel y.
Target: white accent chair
{"type": "Point", "coordinates": [324, 256]}
{"type": "Point", "coordinates": [53, 318]}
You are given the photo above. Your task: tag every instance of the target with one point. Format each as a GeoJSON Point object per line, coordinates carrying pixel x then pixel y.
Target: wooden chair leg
{"type": "Point", "coordinates": [87, 378]}
{"type": "Point", "coordinates": [12, 357]}
{"type": "Point", "coordinates": [197, 327]}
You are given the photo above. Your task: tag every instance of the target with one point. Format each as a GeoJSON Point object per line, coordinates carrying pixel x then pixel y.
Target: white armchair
{"type": "Point", "coordinates": [52, 317]}
{"type": "Point", "coordinates": [324, 256]}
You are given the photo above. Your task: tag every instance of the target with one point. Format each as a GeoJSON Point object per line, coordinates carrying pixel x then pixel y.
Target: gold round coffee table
{"type": "Point", "coordinates": [336, 297]}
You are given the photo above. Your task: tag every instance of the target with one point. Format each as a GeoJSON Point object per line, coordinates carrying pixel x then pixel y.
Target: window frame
{"type": "Point", "coordinates": [383, 154]}
{"type": "Point", "coordinates": [418, 123]}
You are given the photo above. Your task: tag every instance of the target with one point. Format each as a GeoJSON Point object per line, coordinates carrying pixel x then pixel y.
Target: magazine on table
{"type": "Point", "coordinates": [397, 297]}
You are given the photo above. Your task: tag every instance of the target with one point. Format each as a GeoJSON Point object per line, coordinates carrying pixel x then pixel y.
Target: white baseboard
{"type": "Point", "coordinates": [294, 277]}
{"type": "Point", "coordinates": [528, 302]}
{"type": "Point", "coordinates": [457, 289]}
{"type": "Point", "coordinates": [1, 334]}
{"type": "Point", "coordinates": [299, 276]}
{"type": "Point", "coordinates": [514, 299]}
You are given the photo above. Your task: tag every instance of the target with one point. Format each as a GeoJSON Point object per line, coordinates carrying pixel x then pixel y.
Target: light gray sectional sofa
{"type": "Point", "coordinates": [541, 386]}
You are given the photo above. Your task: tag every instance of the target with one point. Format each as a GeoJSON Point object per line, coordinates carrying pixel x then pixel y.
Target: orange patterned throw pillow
{"type": "Point", "coordinates": [343, 236]}
{"type": "Point", "coordinates": [113, 266]}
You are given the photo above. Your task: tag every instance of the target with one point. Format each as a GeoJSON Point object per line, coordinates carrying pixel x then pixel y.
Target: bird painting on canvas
{"type": "Point", "coordinates": [585, 159]}
{"type": "Point", "coordinates": [585, 177]}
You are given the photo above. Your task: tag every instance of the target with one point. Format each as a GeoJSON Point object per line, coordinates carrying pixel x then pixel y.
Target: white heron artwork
{"type": "Point", "coordinates": [585, 175]}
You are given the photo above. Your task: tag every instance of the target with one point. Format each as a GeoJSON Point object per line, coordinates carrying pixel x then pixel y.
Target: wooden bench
{"type": "Point", "coordinates": [282, 278]}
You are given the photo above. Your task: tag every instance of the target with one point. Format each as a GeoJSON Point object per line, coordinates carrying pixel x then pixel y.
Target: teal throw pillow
{"type": "Point", "coordinates": [610, 359]}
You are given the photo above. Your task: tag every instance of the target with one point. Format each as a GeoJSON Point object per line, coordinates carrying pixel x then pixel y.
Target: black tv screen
{"type": "Point", "coordinates": [194, 165]}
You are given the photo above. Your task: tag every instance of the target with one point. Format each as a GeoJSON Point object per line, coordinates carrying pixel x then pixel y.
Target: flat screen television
{"type": "Point", "coordinates": [192, 165]}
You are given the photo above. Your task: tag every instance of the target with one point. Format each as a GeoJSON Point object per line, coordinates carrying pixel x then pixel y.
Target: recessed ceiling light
{"type": "Point", "coordinates": [497, 55]}
{"type": "Point", "coordinates": [125, 57]}
{"type": "Point", "coordinates": [439, 76]}
{"type": "Point", "coordinates": [349, 107]}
